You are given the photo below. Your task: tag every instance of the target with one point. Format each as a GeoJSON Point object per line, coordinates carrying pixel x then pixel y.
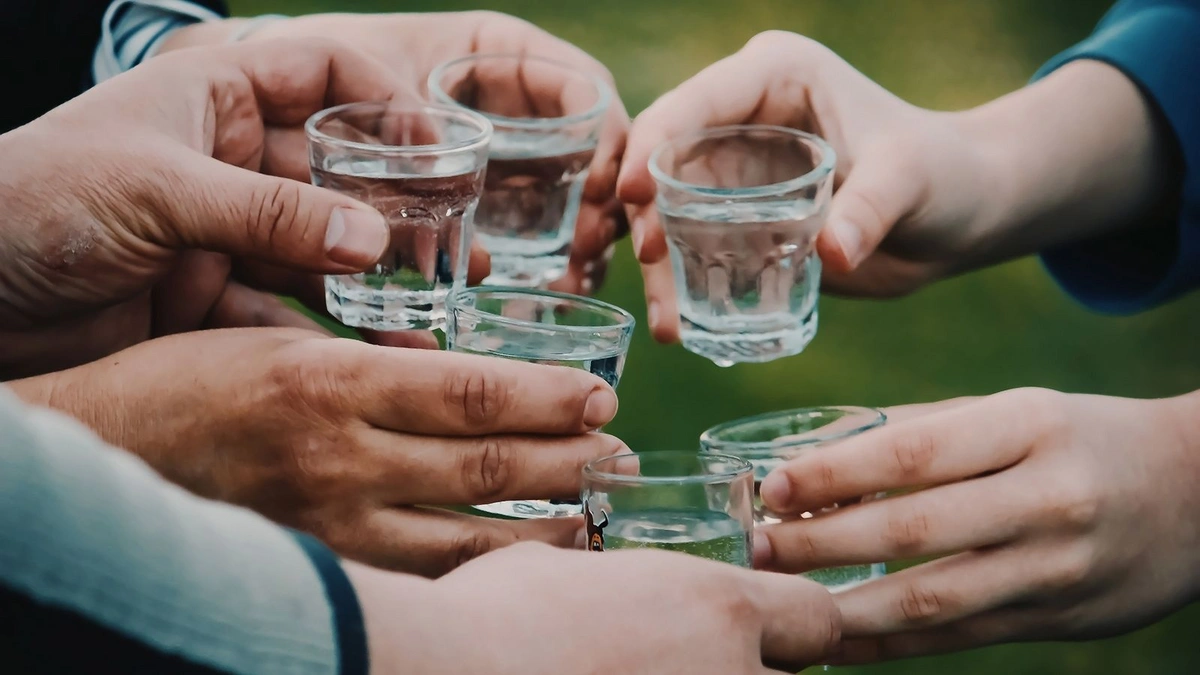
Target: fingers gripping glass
{"type": "Point", "coordinates": [769, 440]}
{"type": "Point", "coordinates": [741, 207]}
{"type": "Point", "coordinates": [540, 327]}
{"type": "Point", "coordinates": [422, 167]}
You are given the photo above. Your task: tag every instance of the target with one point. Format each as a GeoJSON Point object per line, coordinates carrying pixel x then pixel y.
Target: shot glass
{"type": "Point", "coordinates": [741, 207]}
{"type": "Point", "coordinates": [540, 327]}
{"type": "Point", "coordinates": [422, 167]}
{"type": "Point", "coordinates": [769, 440]}
{"type": "Point", "coordinates": [547, 117]}
{"type": "Point", "coordinates": [676, 501]}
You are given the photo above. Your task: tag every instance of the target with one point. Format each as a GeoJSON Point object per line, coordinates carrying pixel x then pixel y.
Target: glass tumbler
{"type": "Point", "coordinates": [422, 167]}
{"type": "Point", "coordinates": [769, 440]}
{"type": "Point", "coordinates": [540, 327]}
{"type": "Point", "coordinates": [689, 502]}
{"type": "Point", "coordinates": [547, 117]}
{"type": "Point", "coordinates": [741, 207]}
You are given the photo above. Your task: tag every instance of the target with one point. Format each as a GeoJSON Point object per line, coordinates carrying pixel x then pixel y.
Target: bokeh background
{"type": "Point", "coordinates": [982, 333]}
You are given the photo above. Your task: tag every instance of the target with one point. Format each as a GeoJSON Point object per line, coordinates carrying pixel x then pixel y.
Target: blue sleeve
{"type": "Point", "coordinates": [1156, 43]}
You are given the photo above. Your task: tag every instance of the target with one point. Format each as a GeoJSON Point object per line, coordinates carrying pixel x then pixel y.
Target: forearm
{"type": "Point", "coordinates": [104, 555]}
{"type": "Point", "coordinates": [1077, 155]}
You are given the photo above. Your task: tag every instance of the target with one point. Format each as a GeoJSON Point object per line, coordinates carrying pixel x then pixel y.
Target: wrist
{"type": "Point", "coordinates": [403, 620]}
{"type": "Point", "coordinates": [1074, 156]}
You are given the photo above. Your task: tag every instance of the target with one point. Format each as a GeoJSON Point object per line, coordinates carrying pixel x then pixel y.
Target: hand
{"type": "Point", "coordinates": [533, 610]}
{"type": "Point", "coordinates": [1059, 517]}
{"type": "Point", "coordinates": [115, 197]}
{"type": "Point", "coordinates": [920, 195]}
{"type": "Point", "coordinates": [414, 44]}
{"type": "Point", "coordinates": [355, 443]}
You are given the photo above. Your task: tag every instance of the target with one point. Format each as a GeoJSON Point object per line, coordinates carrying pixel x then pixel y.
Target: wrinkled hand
{"type": "Point", "coordinates": [534, 610]}
{"type": "Point", "coordinates": [889, 156]}
{"type": "Point", "coordinates": [1058, 517]}
{"type": "Point", "coordinates": [414, 44]}
{"type": "Point", "coordinates": [121, 193]}
{"type": "Point", "coordinates": [353, 442]}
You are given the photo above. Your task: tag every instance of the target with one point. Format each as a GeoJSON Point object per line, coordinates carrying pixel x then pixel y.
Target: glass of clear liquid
{"type": "Point", "coordinates": [540, 327]}
{"type": "Point", "coordinates": [767, 441]}
{"type": "Point", "coordinates": [547, 118]}
{"type": "Point", "coordinates": [695, 503]}
{"type": "Point", "coordinates": [741, 207]}
{"type": "Point", "coordinates": [422, 167]}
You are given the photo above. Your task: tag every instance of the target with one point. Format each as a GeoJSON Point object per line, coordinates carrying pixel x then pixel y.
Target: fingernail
{"type": "Point", "coordinates": [849, 239]}
{"type": "Point", "coordinates": [652, 315]}
{"type": "Point", "coordinates": [355, 237]}
{"type": "Point", "coordinates": [776, 492]}
{"type": "Point", "coordinates": [762, 550]}
{"type": "Point", "coordinates": [600, 408]}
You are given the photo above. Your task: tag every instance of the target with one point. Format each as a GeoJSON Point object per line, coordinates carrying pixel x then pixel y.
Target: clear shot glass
{"type": "Point", "coordinates": [694, 503]}
{"type": "Point", "coordinates": [547, 118]}
{"type": "Point", "coordinates": [540, 327]}
{"type": "Point", "coordinates": [422, 167]}
{"type": "Point", "coordinates": [767, 441]}
{"type": "Point", "coordinates": [741, 207]}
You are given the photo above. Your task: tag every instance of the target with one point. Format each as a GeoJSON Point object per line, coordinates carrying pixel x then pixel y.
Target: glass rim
{"type": "Point", "coordinates": [723, 446]}
{"type": "Point", "coordinates": [481, 138]}
{"type": "Point", "coordinates": [807, 179]}
{"type": "Point", "coordinates": [625, 321]}
{"type": "Point", "coordinates": [591, 470]}
{"type": "Point", "coordinates": [604, 93]}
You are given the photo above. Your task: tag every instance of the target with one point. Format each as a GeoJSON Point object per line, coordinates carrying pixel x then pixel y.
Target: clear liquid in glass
{"type": "Point", "coordinates": [430, 218]}
{"type": "Point", "coordinates": [747, 277]}
{"type": "Point", "coordinates": [526, 218]}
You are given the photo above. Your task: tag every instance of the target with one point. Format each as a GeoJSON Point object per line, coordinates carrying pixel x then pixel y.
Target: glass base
{"type": "Point", "coordinates": [838, 579]}
{"type": "Point", "coordinates": [524, 272]}
{"type": "Point", "coordinates": [531, 508]}
{"type": "Point", "coordinates": [359, 306]}
{"type": "Point", "coordinates": [726, 349]}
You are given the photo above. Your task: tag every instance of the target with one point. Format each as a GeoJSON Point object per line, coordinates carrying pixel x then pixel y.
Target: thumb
{"type": "Point", "coordinates": [243, 213]}
{"type": "Point", "coordinates": [877, 193]}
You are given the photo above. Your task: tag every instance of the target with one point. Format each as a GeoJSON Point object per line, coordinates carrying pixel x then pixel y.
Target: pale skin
{"type": "Point", "coordinates": [1057, 516]}
{"type": "Point", "coordinates": [159, 224]}
{"type": "Point", "coordinates": [534, 610]}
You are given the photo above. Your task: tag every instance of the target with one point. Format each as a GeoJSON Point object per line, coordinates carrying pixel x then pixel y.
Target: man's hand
{"type": "Point", "coordinates": [534, 610]}
{"type": "Point", "coordinates": [1059, 517]}
{"type": "Point", "coordinates": [412, 45]}
{"type": "Point", "coordinates": [116, 200]}
{"type": "Point", "coordinates": [355, 443]}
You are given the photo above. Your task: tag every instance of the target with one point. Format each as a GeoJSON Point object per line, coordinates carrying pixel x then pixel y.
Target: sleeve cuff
{"type": "Point", "coordinates": [348, 623]}
{"type": "Point", "coordinates": [132, 30]}
{"type": "Point", "coordinates": [1157, 46]}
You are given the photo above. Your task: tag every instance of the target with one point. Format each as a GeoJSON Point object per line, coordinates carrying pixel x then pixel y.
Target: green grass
{"type": "Point", "coordinates": [1006, 327]}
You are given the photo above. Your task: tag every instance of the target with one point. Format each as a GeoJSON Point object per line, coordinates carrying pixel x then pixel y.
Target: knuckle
{"type": "Point", "coordinates": [770, 40]}
{"type": "Point", "coordinates": [1044, 409]}
{"type": "Point", "coordinates": [799, 545]}
{"type": "Point", "coordinates": [1072, 569]}
{"type": "Point", "coordinates": [274, 207]}
{"type": "Point", "coordinates": [466, 547]}
{"type": "Point", "coordinates": [907, 532]}
{"type": "Point", "coordinates": [487, 470]}
{"type": "Point", "coordinates": [914, 453]}
{"type": "Point", "coordinates": [480, 397]}
{"type": "Point", "coordinates": [920, 604]}
{"type": "Point", "coordinates": [1075, 504]}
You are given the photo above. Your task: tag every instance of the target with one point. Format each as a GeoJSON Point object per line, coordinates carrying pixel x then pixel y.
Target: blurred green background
{"type": "Point", "coordinates": [1006, 327]}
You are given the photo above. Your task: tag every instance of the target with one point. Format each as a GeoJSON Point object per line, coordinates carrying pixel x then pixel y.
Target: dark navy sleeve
{"type": "Point", "coordinates": [1156, 43]}
{"type": "Point", "coordinates": [348, 623]}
